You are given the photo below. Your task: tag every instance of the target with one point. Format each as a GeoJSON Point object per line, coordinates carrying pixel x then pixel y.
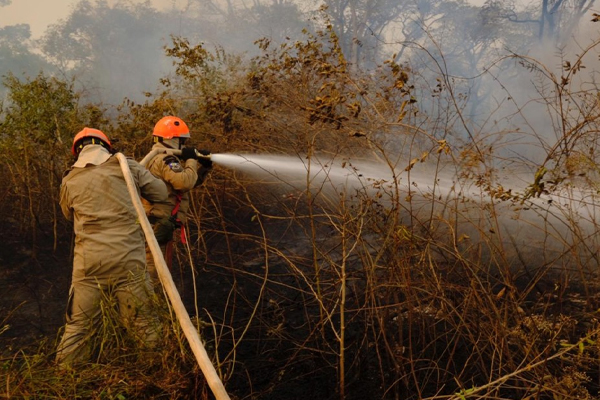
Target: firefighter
{"type": "Point", "coordinates": [181, 174]}
{"type": "Point", "coordinates": [109, 253]}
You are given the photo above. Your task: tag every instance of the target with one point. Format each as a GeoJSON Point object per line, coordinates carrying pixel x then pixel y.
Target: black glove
{"type": "Point", "coordinates": [206, 162]}
{"type": "Point", "coordinates": [163, 229]}
{"type": "Point", "coordinates": [188, 152]}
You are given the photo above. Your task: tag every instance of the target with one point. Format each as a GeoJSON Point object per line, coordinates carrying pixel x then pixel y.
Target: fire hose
{"type": "Point", "coordinates": [175, 152]}
{"type": "Point", "coordinates": [189, 330]}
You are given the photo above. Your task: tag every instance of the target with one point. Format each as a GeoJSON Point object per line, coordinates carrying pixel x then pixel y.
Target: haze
{"type": "Point", "coordinates": [48, 12]}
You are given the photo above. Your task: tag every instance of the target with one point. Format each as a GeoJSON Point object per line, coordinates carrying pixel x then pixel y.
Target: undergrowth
{"type": "Point", "coordinates": [428, 274]}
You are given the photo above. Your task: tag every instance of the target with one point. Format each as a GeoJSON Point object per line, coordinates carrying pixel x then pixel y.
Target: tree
{"type": "Point", "coordinates": [37, 123]}
{"type": "Point", "coordinates": [280, 20]}
{"type": "Point", "coordinates": [16, 56]}
{"type": "Point", "coordinates": [115, 51]}
{"type": "Point", "coordinates": [236, 25]}
{"type": "Point", "coordinates": [553, 21]}
{"type": "Point", "coordinates": [360, 25]}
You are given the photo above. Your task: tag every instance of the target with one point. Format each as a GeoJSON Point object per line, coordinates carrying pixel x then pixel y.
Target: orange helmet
{"type": "Point", "coordinates": [171, 128]}
{"type": "Point", "coordinates": [89, 133]}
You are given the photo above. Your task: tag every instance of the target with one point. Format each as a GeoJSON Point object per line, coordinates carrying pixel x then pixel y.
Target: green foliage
{"type": "Point", "coordinates": [38, 112]}
{"type": "Point", "coordinates": [38, 122]}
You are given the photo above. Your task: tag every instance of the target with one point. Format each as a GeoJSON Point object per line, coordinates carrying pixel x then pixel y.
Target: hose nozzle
{"type": "Point", "coordinates": [202, 156]}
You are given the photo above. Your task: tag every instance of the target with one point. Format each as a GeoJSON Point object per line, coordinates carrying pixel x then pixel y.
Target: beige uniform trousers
{"type": "Point", "coordinates": [84, 314]}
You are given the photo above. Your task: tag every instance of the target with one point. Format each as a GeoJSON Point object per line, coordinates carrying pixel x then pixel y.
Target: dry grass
{"type": "Point", "coordinates": [433, 280]}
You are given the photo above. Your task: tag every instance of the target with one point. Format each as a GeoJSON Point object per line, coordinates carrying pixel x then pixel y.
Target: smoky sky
{"type": "Point", "coordinates": [484, 89]}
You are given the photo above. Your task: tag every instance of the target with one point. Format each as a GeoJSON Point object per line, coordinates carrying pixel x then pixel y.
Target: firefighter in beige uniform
{"type": "Point", "coordinates": [181, 174]}
{"type": "Point", "coordinates": [109, 255]}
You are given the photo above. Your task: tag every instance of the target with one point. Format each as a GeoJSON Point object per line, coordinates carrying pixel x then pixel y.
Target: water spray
{"type": "Point", "coordinates": [291, 171]}
{"type": "Point", "coordinates": [541, 231]}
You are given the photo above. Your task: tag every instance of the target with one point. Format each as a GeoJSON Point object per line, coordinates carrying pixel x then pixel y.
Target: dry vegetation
{"type": "Point", "coordinates": [403, 288]}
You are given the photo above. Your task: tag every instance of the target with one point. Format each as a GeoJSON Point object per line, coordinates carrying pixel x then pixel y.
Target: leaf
{"type": "Point", "coordinates": [501, 293]}
{"type": "Point", "coordinates": [463, 237]}
{"type": "Point", "coordinates": [411, 164]}
{"type": "Point", "coordinates": [401, 116]}
{"type": "Point", "coordinates": [402, 113]}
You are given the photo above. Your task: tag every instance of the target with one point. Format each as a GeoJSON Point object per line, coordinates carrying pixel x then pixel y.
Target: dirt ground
{"type": "Point", "coordinates": [34, 290]}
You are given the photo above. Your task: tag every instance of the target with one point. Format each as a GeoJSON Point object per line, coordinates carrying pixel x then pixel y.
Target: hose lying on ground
{"type": "Point", "coordinates": [167, 281]}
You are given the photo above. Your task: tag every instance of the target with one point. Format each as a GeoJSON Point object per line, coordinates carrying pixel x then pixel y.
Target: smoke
{"type": "Point", "coordinates": [480, 82]}
{"type": "Point", "coordinates": [554, 232]}
{"type": "Point", "coordinates": [486, 82]}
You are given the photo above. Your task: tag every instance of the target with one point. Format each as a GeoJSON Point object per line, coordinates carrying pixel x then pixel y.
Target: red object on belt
{"type": "Point", "coordinates": [179, 196]}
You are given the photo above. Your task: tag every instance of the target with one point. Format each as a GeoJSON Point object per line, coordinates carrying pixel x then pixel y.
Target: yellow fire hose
{"type": "Point", "coordinates": [154, 152]}
{"type": "Point", "coordinates": [167, 281]}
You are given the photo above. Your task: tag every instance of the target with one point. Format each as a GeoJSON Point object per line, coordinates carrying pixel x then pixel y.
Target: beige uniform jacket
{"type": "Point", "coordinates": [180, 176]}
{"type": "Point", "coordinates": [108, 236]}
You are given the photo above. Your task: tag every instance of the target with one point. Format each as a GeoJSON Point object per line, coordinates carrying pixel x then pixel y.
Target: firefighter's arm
{"type": "Point", "coordinates": [151, 188]}
{"type": "Point", "coordinates": [181, 175]}
{"type": "Point", "coordinates": [204, 159]}
{"type": "Point", "coordinates": [64, 203]}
